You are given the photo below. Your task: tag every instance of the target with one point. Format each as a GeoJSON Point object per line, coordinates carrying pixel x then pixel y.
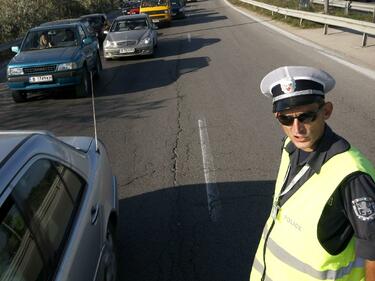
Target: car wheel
{"type": "Point", "coordinates": [84, 88]}
{"type": "Point", "coordinates": [156, 42]}
{"type": "Point", "coordinates": [19, 96]}
{"type": "Point", "coordinates": [110, 256]}
{"type": "Point", "coordinates": [98, 67]}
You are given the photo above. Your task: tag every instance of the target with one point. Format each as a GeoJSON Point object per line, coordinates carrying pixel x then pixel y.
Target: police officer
{"type": "Point", "coordinates": [322, 223]}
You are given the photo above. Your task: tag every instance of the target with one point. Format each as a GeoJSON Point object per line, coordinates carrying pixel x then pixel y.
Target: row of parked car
{"type": "Point", "coordinates": [65, 53]}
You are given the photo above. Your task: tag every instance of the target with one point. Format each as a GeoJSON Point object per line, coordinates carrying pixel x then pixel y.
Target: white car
{"type": "Point", "coordinates": [130, 35]}
{"type": "Point", "coordinates": [58, 208]}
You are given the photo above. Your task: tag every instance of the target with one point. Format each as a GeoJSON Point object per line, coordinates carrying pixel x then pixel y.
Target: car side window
{"type": "Point", "coordinates": [82, 33]}
{"type": "Point", "coordinates": [20, 258]}
{"type": "Point", "coordinates": [50, 205]}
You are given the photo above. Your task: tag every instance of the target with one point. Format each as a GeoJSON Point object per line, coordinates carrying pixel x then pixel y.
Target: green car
{"type": "Point", "coordinates": [54, 56]}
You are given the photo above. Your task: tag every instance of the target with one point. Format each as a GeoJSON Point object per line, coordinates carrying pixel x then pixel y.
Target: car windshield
{"type": "Point", "coordinates": [153, 3]}
{"type": "Point", "coordinates": [51, 38]}
{"type": "Point", "coordinates": [126, 25]}
{"type": "Point", "coordinates": [95, 21]}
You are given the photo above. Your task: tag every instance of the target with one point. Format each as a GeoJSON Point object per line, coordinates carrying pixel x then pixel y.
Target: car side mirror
{"type": "Point", "coordinates": [15, 49]}
{"type": "Point", "coordinates": [87, 41]}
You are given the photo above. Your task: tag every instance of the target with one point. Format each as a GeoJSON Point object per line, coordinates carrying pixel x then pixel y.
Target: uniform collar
{"type": "Point", "coordinates": [329, 145]}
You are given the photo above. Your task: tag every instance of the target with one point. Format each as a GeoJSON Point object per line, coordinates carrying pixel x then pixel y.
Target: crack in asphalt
{"type": "Point", "coordinates": [179, 131]}
{"type": "Point", "coordinates": [138, 178]}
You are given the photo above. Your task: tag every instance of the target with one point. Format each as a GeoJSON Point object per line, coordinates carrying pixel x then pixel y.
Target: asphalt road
{"type": "Point", "coordinates": [193, 142]}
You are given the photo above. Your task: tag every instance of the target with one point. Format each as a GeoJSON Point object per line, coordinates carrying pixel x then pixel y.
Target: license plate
{"type": "Point", "coordinates": [155, 20]}
{"type": "Point", "coordinates": [127, 50]}
{"type": "Point", "coordinates": [39, 79]}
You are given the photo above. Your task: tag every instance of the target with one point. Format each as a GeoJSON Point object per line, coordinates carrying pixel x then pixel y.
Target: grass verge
{"type": "Point", "coordinates": [294, 4]}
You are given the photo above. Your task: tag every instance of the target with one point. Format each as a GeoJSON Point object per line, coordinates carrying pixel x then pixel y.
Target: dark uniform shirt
{"type": "Point", "coordinates": [351, 208]}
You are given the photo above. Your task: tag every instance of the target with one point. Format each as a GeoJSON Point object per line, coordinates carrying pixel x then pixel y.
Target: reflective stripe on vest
{"type": "Point", "coordinates": [303, 267]}
{"type": "Point", "coordinates": [293, 251]}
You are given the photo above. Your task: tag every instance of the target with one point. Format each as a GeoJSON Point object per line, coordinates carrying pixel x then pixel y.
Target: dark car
{"type": "Point", "coordinates": [54, 56]}
{"type": "Point", "coordinates": [98, 23]}
{"type": "Point", "coordinates": [91, 31]}
{"type": "Point", "coordinates": [178, 9]}
{"type": "Point", "coordinates": [59, 208]}
{"type": "Point", "coordinates": [130, 7]}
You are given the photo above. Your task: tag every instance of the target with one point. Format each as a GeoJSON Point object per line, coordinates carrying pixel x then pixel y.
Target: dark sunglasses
{"type": "Point", "coordinates": [305, 118]}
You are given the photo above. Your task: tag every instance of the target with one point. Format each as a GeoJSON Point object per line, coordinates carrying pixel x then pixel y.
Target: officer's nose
{"type": "Point", "coordinates": [298, 127]}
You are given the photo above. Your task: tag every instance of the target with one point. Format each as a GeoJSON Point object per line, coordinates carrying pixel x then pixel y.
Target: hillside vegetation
{"type": "Point", "coordinates": [16, 17]}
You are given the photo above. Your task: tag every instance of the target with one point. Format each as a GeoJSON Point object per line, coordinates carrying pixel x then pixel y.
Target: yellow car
{"type": "Point", "coordinates": [158, 10]}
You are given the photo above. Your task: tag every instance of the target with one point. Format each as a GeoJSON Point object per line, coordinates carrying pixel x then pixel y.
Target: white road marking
{"type": "Point", "coordinates": [363, 70]}
{"type": "Point", "coordinates": [189, 37]}
{"type": "Point", "coordinates": [213, 196]}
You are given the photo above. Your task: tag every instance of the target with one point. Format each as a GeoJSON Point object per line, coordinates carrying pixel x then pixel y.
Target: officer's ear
{"type": "Point", "coordinates": [327, 110]}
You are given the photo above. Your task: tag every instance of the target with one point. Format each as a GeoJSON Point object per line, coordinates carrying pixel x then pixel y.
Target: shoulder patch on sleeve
{"type": "Point", "coordinates": [364, 208]}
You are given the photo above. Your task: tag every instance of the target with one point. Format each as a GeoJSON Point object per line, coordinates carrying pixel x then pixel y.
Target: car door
{"type": "Point", "coordinates": [89, 50]}
{"type": "Point", "coordinates": [51, 197]}
{"type": "Point", "coordinates": [21, 258]}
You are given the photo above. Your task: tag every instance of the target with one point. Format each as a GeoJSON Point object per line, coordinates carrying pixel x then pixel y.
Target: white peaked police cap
{"type": "Point", "coordinates": [291, 86]}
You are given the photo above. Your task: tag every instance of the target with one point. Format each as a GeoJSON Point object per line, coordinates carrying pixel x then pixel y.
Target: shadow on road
{"type": "Point", "coordinates": [168, 234]}
{"type": "Point", "coordinates": [169, 47]}
{"type": "Point", "coordinates": [146, 75]}
{"type": "Point", "coordinates": [199, 18]}
{"type": "Point", "coordinates": [60, 111]}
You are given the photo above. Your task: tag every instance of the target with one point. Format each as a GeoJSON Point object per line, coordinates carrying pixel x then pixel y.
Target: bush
{"type": "Point", "coordinates": [17, 17]}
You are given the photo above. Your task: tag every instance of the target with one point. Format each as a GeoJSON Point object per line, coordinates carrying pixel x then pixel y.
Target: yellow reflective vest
{"type": "Point", "coordinates": [293, 251]}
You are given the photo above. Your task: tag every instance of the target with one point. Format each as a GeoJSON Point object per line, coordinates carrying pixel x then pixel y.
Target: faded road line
{"type": "Point", "coordinates": [213, 196]}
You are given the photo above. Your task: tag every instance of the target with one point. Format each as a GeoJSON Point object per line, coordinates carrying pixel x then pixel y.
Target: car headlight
{"type": "Point", "coordinates": [108, 43]}
{"type": "Point", "coordinates": [166, 11]}
{"type": "Point", "coordinates": [67, 66]}
{"type": "Point", "coordinates": [15, 71]}
{"type": "Point", "coordinates": [146, 41]}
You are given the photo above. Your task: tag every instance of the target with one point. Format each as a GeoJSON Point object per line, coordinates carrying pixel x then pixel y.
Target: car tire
{"type": "Point", "coordinates": [84, 88]}
{"type": "Point", "coordinates": [110, 255]}
{"type": "Point", "coordinates": [19, 96]}
{"type": "Point", "coordinates": [98, 67]}
{"type": "Point", "coordinates": [156, 43]}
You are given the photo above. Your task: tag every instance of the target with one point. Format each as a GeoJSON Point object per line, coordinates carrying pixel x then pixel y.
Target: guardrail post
{"type": "Point", "coordinates": [347, 7]}
{"type": "Point", "coordinates": [300, 21]}
{"type": "Point", "coordinates": [326, 7]}
{"type": "Point", "coordinates": [325, 29]}
{"type": "Point", "coordinates": [373, 16]}
{"type": "Point", "coordinates": [364, 40]}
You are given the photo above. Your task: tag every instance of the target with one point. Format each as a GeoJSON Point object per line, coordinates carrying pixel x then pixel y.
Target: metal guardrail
{"type": "Point", "coordinates": [361, 26]}
{"type": "Point", "coordinates": [350, 5]}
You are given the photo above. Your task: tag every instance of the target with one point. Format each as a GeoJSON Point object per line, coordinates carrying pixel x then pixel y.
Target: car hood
{"type": "Point", "coordinates": [127, 35]}
{"type": "Point", "coordinates": [53, 55]}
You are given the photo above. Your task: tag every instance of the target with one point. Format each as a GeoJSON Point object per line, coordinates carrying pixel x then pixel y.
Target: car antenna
{"type": "Point", "coordinates": [93, 112]}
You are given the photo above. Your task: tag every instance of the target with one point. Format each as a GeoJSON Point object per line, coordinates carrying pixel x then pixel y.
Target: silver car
{"type": "Point", "coordinates": [130, 35]}
{"type": "Point", "coordinates": [58, 208]}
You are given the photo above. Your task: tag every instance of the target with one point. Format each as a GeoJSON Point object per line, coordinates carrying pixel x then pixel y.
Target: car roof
{"type": "Point", "coordinates": [124, 17]}
{"type": "Point", "coordinates": [18, 147]}
{"type": "Point", "coordinates": [70, 22]}
{"type": "Point", "coordinates": [93, 15]}
{"type": "Point", "coordinates": [11, 140]}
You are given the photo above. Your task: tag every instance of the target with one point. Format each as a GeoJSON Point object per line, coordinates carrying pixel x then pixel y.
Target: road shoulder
{"type": "Point", "coordinates": [344, 44]}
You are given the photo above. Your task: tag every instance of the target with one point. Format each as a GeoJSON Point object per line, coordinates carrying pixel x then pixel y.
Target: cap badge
{"type": "Point", "coordinates": [288, 86]}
